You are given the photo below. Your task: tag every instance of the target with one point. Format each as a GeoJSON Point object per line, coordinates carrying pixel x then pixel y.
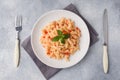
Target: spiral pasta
{"type": "Point", "coordinates": [57, 50]}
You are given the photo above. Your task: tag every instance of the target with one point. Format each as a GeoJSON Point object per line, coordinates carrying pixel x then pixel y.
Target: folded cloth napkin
{"type": "Point", "coordinates": [47, 71]}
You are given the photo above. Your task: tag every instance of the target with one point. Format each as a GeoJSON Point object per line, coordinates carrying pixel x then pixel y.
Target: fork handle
{"type": "Point", "coordinates": [105, 59]}
{"type": "Point", "coordinates": [17, 52]}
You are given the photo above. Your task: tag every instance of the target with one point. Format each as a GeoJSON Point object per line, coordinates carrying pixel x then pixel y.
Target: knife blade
{"type": "Point", "coordinates": [105, 26]}
{"type": "Point", "coordinates": [105, 44]}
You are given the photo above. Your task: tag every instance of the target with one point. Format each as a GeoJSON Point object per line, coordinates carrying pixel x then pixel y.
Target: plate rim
{"type": "Point", "coordinates": [45, 14]}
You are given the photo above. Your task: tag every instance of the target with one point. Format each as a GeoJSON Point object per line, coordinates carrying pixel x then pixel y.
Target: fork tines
{"type": "Point", "coordinates": [18, 23]}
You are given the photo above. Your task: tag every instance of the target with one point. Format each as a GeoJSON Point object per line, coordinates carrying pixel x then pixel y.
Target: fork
{"type": "Point", "coordinates": [18, 28]}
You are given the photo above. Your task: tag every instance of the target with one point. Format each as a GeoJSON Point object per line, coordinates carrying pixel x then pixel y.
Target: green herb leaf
{"type": "Point", "coordinates": [62, 41]}
{"type": "Point", "coordinates": [61, 37]}
{"type": "Point", "coordinates": [59, 32]}
{"type": "Point", "coordinates": [56, 38]}
{"type": "Point", "coordinates": [66, 36]}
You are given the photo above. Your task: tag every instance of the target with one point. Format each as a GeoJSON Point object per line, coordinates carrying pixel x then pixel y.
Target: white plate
{"type": "Point", "coordinates": [40, 51]}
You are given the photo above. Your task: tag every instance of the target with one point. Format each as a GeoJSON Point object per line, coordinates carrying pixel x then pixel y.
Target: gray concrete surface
{"type": "Point", "coordinates": [90, 68]}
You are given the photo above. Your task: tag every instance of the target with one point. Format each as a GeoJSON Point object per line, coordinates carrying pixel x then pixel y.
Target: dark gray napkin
{"type": "Point", "coordinates": [47, 71]}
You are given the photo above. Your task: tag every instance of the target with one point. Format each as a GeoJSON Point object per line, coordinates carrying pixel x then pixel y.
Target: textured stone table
{"type": "Point", "coordinates": [90, 68]}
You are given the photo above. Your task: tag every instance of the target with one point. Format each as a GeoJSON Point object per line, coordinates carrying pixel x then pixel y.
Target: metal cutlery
{"type": "Point", "coordinates": [105, 45]}
{"type": "Point", "coordinates": [18, 28]}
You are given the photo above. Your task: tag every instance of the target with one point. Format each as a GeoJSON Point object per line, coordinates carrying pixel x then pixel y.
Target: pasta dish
{"type": "Point", "coordinates": [60, 38]}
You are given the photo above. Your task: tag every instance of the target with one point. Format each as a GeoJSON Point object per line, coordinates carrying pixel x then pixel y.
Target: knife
{"type": "Point", "coordinates": [105, 44]}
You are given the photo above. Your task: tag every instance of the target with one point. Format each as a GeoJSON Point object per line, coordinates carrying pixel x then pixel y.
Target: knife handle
{"type": "Point", "coordinates": [105, 58]}
{"type": "Point", "coordinates": [17, 52]}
